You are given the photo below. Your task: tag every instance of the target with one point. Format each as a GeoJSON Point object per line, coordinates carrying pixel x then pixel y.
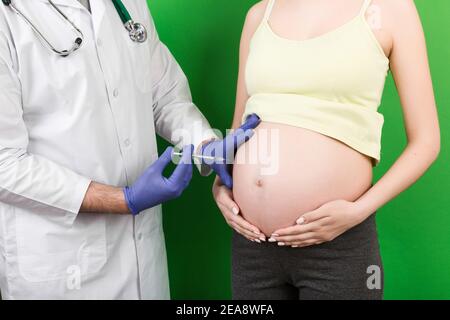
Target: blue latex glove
{"type": "Point", "coordinates": [152, 188]}
{"type": "Point", "coordinates": [227, 147]}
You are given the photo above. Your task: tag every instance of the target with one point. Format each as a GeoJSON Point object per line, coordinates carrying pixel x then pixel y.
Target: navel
{"type": "Point", "coordinates": [259, 183]}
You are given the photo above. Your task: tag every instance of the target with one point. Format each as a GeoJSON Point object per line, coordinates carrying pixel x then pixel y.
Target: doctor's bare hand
{"type": "Point", "coordinates": [321, 225]}
{"type": "Point", "coordinates": [152, 188]}
{"type": "Point", "coordinates": [230, 211]}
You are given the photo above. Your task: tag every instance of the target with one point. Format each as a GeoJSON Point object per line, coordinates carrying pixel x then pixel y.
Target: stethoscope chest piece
{"type": "Point", "coordinates": [137, 31]}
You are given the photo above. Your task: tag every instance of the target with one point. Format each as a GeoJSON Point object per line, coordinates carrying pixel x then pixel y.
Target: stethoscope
{"type": "Point", "coordinates": [137, 32]}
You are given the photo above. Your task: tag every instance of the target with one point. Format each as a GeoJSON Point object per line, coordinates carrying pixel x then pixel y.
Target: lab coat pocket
{"type": "Point", "coordinates": [49, 251]}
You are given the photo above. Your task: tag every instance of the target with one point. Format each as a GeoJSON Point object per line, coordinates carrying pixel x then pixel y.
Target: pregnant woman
{"type": "Point", "coordinates": [314, 72]}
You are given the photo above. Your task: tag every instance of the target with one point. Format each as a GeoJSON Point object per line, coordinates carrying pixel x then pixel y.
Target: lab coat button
{"type": "Point", "coordinates": [116, 93]}
{"type": "Point", "coordinates": [99, 43]}
{"type": "Point", "coordinates": [127, 142]}
{"type": "Point", "coordinates": [140, 236]}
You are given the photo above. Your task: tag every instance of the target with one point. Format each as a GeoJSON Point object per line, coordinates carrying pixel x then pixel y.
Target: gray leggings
{"type": "Point", "coordinates": [340, 269]}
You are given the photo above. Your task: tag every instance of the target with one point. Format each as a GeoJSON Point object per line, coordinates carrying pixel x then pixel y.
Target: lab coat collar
{"type": "Point", "coordinates": [98, 8]}
{"type": "Point", "coordinates": [68, 3]}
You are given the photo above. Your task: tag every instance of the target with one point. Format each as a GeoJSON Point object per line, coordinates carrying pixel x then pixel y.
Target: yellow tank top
{"type": "Point", "coordinates": [331, 84]}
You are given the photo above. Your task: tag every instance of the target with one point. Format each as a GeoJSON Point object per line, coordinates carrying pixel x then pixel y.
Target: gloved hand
{"type": "Point", "coordinates": [152, 188]}
{"type": "Point", "coordinates": [227, 147]}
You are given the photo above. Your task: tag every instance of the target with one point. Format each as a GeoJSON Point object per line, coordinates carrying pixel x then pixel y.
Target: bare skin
{"type": "Point", "coordinates": [309, 170]}
{"type": "Point", "coordinates": [104, 198]}
{"type": "Point", "coordinates": [400, 34]}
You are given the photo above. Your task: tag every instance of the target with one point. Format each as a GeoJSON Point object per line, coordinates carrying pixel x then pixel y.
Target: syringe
{"type": "Point", "coordinates": [202, 157]}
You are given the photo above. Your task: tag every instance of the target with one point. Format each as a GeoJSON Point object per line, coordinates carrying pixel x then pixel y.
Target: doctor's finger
{"type": "Point", "coordinates": [186, 157]}
{"type": "Point", "coordinates": [242, 136]}
{"type": "Point", "coordinates": [251, 122]}
{"type": "Point", "coordinates": [182, 174]}
{"type": "Point", "coordinates": [226, 178]}
{"type": "Point", "coordinates": [161, 163]}
{"type": "Point", "coordinates": [183, 171]}
{"type": "Point", "coordinates": [188, 176]}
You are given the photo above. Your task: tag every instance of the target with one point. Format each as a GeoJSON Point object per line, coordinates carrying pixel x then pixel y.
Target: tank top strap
{"type": "Point", "coordinates": [365, 6]}
{"type": "Point", "coordinates": [269, 10]}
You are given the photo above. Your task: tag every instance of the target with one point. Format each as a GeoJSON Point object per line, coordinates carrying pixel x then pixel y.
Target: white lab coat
{"type": "Point", "coordinates": [65, 122]}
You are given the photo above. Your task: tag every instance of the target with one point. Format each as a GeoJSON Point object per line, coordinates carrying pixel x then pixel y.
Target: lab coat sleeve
{"type": "Point", "coordinates": [30, 181]}
{"type": "Point", "coordinates": [177, 119]}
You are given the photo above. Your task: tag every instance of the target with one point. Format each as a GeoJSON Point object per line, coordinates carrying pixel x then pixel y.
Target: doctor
{"type": "Point", "coordinates": [80, 179]}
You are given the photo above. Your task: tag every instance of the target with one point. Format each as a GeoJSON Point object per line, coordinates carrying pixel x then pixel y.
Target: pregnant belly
{"type": "Point", "coordinates": [284, 171]}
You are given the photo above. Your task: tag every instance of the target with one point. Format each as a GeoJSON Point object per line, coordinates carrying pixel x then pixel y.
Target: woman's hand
{"type": "Point", "coordinates": [321, 225]}
{"type": "Point", "coordinates": [230, 211]}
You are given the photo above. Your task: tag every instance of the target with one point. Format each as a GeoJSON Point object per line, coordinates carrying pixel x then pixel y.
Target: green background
{"type": "Point", "coordinates": [414, 228]}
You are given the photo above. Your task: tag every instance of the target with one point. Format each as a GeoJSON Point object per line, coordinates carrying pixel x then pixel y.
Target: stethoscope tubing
{"type": "Point", "coordinates": [137, 31]}
{"type": "Point", "coordinates": [63, 53]}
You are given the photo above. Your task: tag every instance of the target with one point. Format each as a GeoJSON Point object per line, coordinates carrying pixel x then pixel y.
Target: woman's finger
{"type": "Point", "coordinates": [249, 235]}
{"type": "Point", "coordinates": [249, 232]}
{"type": "Point", "coordinates": [241, 234]}
{"type": "Point", "coordinates": [238, 230]}
{"type": "Point", "coordinates": [242, 224]}
{"type": "Point", "coordinates": [312, 216]}
{"type": "Point", "coordinates": [230, 210]}
{"type": "Point", "coordinates": [288, 240]}
{"type": "Point", "coordinates": [247, 226]}
{"type": "Point", "coordinates": [296, 230]}
{"type": "Point", "coordinates": [226, 199]}
{"type": "Point", "coordinates": [225, 211]}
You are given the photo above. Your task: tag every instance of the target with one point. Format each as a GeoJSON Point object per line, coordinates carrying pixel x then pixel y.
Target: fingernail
{"type": "Point", "coordinates": [281, 244]}
{"type": "Point", "coordinates": [257, 240]}
{"type": "Point", "coordinates": [235, 210]}
{"type": "Point", "coordinates": [263, 239]}
{"type": "Point", "coordinates": [301, 220]}
{"type": "Point", "coordinates": [294, 246]}
{"type": "Point", "coordinates": [272, 239]}
{"type": "Point", "coordinates": [275, 235]}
